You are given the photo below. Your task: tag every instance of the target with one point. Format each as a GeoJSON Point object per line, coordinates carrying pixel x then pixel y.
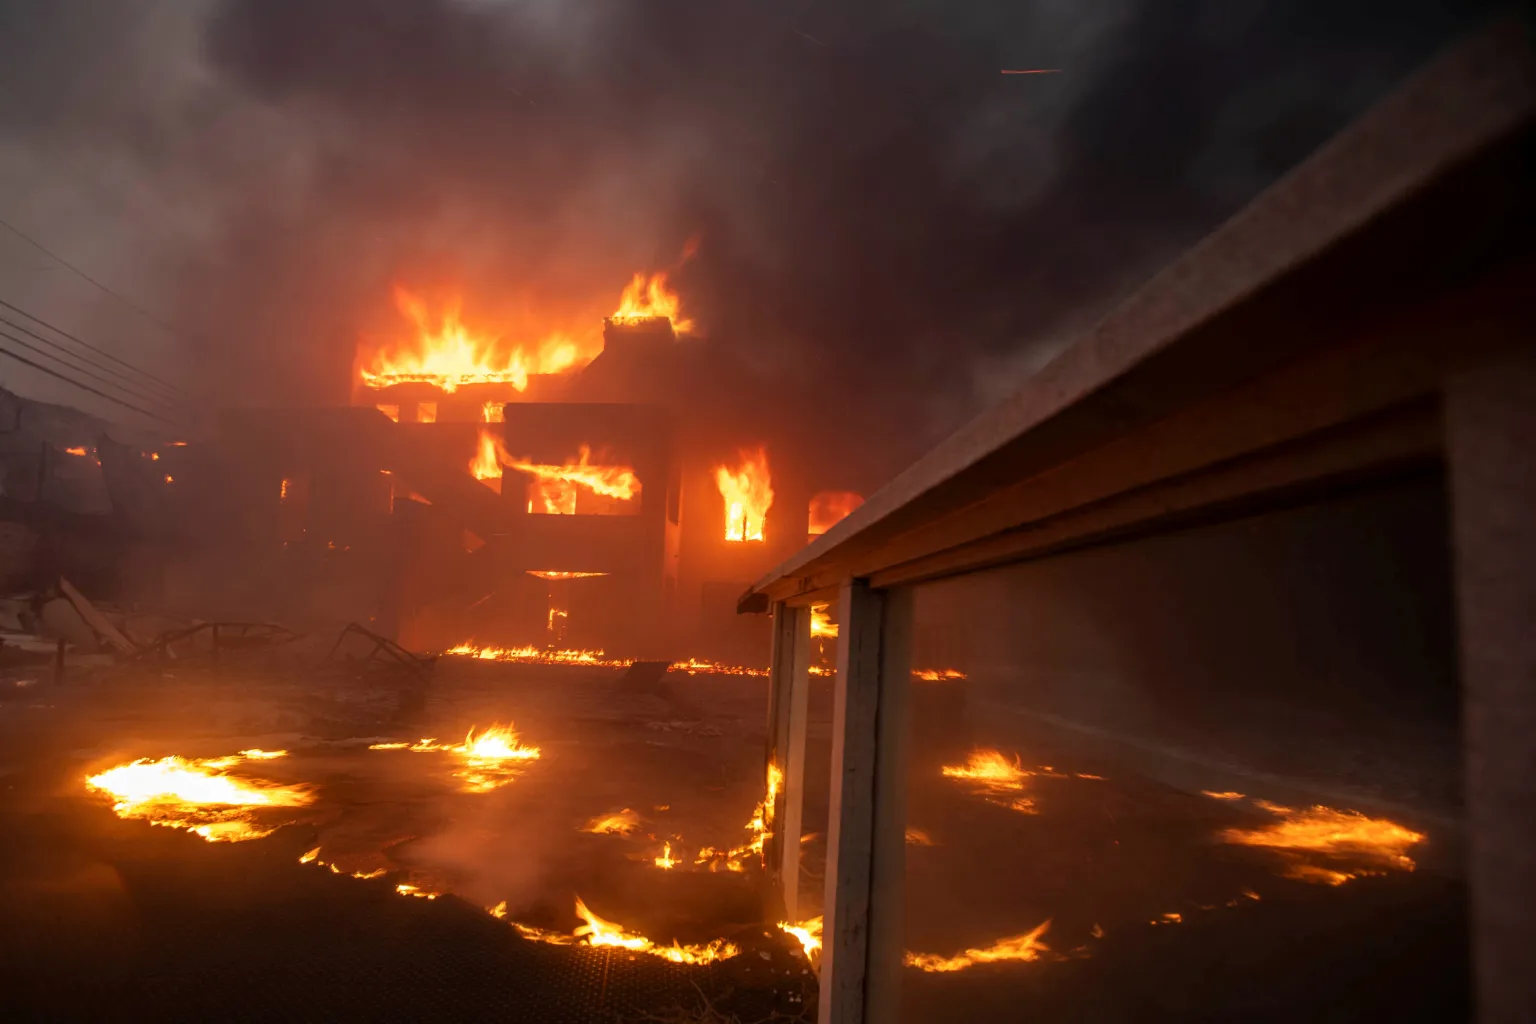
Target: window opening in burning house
{"type": "Point", "coordinates": [426, 412]}
{"type": "Point", "coordinates": [828, 508]}
{"type": "Point", "coordinates": [391, 410]}
{"type": "Point", "coordinates": [746, 492]}
{"type": "Point", "coordinates": [1176, 771]}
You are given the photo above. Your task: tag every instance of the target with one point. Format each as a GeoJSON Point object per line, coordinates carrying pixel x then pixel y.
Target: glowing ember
{"type": "Point", "coordinates": [1017, 947]}
{"type": "Point", "coordinates": [560, 574]}
{"type": "Point", "coordinates": [665, 861]}
{"type": "Point", "coordinates": [995, 777]}
{"type": "Point", "coordinates": [488, 761]}
{"type": "Point", "coordinates": [619, 823]}
{"type": "Point", "coordinates": [748, 494]}
{"type": "Point", "coordinates": [554, 489]}
{"type": "Point", "coordinates": [937, 675]}
{"type": "Point", "coordinates": [1224, 795]}
{"type": "Point", "coordinates": [198, 795]}
{"type": "Point", "coordinates": [75, 451]}
{"type": "Point", "coordinates": [499, 911]}
{"type": "Point", "coordinates": [918, 837]}
{"type": "Point", "coordinates": [449, 355]}
{"type": "Point", "coordinates": [412, 890]}
{"type": "Point", "coordinates": [311, 855]}
{"type": "Point", "coordinates": [486, 465]}
{"type": "Point", "coordinates": [828, 508]}
{"type": "Point", "coordinates": [807, 933]}
{"type": "Point", "coordinates": [647, 297]}
{"type": "Point", "coordinates": [1349, 844]}
{"type": "Point", "coordinates": [821, 621]}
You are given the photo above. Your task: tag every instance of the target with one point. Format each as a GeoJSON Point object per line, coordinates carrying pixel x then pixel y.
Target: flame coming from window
{"type": "Point", "coordinates": [448, 354]}
{"type": "Point", "coordinates": [646, 297]}
{"type": "Point", "coordinates": [828, 508]}
{"type": "Point", "coordinates": [748, 494]}
{"type": "Point", "coordinates": [1321, 844]}
{"type": "Point", "coordinates": [486, 465]}
{"type": "Point", "coordinates": [554, 489]}
{"type": "Point", "coordinates": [1016, 947]}
{"type": "Point", "coordinates": [199, 795]}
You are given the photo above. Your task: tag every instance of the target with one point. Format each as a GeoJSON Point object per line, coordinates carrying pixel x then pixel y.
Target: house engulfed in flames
{"type": "Point", "coordinates": [520, 493]}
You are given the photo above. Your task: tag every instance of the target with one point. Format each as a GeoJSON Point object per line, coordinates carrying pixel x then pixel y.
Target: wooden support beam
{"type": "Point", "coordinates": [789, 692]}
{"type": "Point", "coordinates": [1491, 450]}
{"type": "Point", "coordinates": [861, 944]}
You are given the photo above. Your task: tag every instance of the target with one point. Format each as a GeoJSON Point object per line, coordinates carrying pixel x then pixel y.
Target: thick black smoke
{"type": "Point", "coordinates": [891, 230]}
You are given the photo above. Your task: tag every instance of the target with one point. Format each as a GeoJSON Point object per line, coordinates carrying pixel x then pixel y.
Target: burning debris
{"type": "Point", "coordinates": [997, 779]}
{"type": "Point", "coordinates": [200, 795]}
{"type": "Point", "coordinates": [625, 822]}
{"type": "Point", "coordinates": [488, 761]}
{"type": "Point", "coordinates": [1025, 946]}
{"type": "Point", "coordinates": [595, 931]}
{"type": "Point", "coordinates": [1321, 844]}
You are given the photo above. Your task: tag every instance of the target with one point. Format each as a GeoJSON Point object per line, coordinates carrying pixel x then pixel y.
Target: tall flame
{"type": "Point", "coordinates": [486, 466]}
{"type": "Point", "coordinates": [448, 354]}
{"type": "Point", "coordinates": [748, 494]}
{"type": "Point", "coordinates": [648, 296]}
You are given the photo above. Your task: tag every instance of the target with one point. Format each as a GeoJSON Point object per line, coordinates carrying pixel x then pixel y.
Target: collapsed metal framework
{"type": "Point", "coordinates": [1366, 315]}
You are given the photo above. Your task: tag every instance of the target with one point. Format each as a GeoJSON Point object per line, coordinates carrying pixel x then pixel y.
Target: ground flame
{"type": "Point", "coordinates": [995, 777]}
{"type": "Point", "coordinates": [1324, 845]}
{"type": "Point", "coordinates": [198, 795]}
{"type": "Point", "coordinates": [488, 760]}
{"type": "Point", "coordinates": [1016, 947]}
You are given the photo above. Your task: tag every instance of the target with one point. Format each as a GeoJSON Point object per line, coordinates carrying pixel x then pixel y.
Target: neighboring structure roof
{"type": "Point", "coordinates": [1415, 193]}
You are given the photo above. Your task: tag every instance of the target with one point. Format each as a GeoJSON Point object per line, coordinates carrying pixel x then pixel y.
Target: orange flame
{"type": "Point", "coordinates": [553, 491]}
{"type": "Point", "coordinates": [449, 355]}
{"type": "Point", "coordinates": [828, 508]}
{"type": "Point", "coordinates": [74, 451]}
{"type": "Point", "coordinates": [807, 933]}
{"type": "Point", "coordinates": [490, 760]}
{"type": "Point", "coordinates": [937, 675]}
{"type": "Point", "coordinates": [1348, 843]}
{"type": "Point", "coordinates": [486, 466]}
{"type": "Point", "coordinates": [1026, 946]}
{"type": "Point", "coordinates": [821, 621]}
{"type": "Point", "coordinates": [748, 494]}
{"type": "Point", "coordinates": [647, 297]}
{"type": "Point", "coordinates": [995, 777]}
{"type": "Point", "coordinates": [198, 795]}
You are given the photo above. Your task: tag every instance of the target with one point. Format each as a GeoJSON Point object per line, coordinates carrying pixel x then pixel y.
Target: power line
{"type": "Point", "coordinates": [122, 383]}
{"type": "Point", "coordinates": [146, 314]}
{"type": "Point", "coordinates": [173, 389]}
{"type": "Point", "coordinates": [83, 387]}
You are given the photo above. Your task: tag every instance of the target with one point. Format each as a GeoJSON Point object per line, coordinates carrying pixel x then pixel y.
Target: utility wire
{"type": "Point", "coordinates": [83, 387]}
{"type": "Point", "coordinates": [122, 383]}
{"type": "Point", "coordinates": [146, 314]}
{"type": "Point", "coordinates": [164, 384]}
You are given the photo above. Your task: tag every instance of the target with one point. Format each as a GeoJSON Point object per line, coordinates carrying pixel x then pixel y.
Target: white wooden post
{"type": "Point", "coordinates": [1491, 450]}
{"type": "Point", "coordinates": [788, 689]}
{"type": "Point", "coordinates": [861, 939]}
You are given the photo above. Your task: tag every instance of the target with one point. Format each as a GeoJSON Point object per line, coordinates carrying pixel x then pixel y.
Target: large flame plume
{"type": "Point", "coordinates": [647, 297]}
{"type": "Point", "coordinates": [748, 494]}
{"type": "Point", "coordinates": [446, 353]}
{"type": "Point", "coordinates": [488, 760]}
{"type": "Point", "coordinates": [486, 465]}
{"type": "Point", "coordinates": [199, 795]}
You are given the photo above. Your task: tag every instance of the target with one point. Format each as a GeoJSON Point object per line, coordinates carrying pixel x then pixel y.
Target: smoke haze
{"type": "Point", "coordinates": [890, 231]}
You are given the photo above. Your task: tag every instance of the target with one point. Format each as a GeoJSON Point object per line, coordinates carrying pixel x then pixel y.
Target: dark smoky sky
{"type": "Point", "coordinates": [892, 232]}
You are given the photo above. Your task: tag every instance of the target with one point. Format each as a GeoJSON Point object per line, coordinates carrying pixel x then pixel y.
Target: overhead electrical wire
{"type": "Point", "coordinates": [146, 314]}
{"type": "Point", "coordinates": [83, 387]}
{"type": "Point", "coordinates": [167, 386]}
{"type": "Point", "coordinates": [123, 383]}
